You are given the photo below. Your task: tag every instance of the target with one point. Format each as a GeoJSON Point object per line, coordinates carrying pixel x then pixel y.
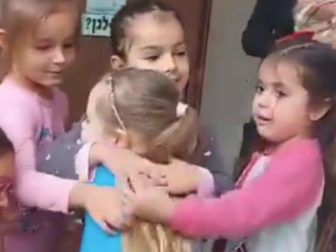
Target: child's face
{"type": "Point", "coordinates": [92, 127]}
{"type": "Point", "coordinates": [7, 199]}
{"type": "Point", "coordinates": [280, 104]}
{"type": "Point", "coordinates": [50, 51]}
{"type": "Point", "coordinates": [158, 44]}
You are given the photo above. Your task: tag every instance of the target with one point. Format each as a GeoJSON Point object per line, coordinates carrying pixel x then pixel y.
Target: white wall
{"type": "Point", "coordinates": [230, 76]}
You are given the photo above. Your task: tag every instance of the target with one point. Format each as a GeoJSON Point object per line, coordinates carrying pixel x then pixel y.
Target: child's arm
{"type": "Point", "coordinates": [44, 191]}
{"type": "Point", "coordinates": [33, 188]}
{"type": "Point", "coordinates": [288, 188]}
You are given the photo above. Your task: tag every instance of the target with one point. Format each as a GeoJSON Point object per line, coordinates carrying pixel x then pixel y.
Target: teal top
{"type": "Point", "coordinates": [95, 239]}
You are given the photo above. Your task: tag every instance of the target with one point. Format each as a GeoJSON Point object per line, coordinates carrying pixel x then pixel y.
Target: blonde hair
{"type": "Point", "coordinates": [20, 19]}
{"type": "Point", "coordinates": [308, 17]}
{"type": "Point", "coordinates": [146, 102]}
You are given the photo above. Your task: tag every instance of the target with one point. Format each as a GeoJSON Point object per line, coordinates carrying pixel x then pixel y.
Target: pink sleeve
{"type": "Point", "coordinates": [291, 185]}
{"type": "Point", "coordinates": [33, 188]}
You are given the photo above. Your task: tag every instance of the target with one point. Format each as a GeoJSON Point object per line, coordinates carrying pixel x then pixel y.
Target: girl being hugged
{"type": "Point", "coordinates": [139, 110]}
{"type": "Point", "coordinates": [274, 206]}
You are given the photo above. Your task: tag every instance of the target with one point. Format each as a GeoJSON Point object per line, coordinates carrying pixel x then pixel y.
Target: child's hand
{"type": "Point", "coordinates": [104, 204]}
{"type": "Point", "coordinates": [181, 177]}
{"type": "Point", "coordinates": [327, 11]}
{"type": "Point", "coordinates": [148, 202]}
{"type": "Point", "coordinates": [123, 162]}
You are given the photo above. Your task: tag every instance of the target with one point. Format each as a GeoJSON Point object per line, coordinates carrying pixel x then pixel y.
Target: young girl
{"type": "Point", "coordinates": [161, 47]}
{"type": "Point", "coordinates": [139, 110]}
{"type": "Point", "coordinates": [274, 206]}
{"type": "Point", "coordinates": [39, 39]}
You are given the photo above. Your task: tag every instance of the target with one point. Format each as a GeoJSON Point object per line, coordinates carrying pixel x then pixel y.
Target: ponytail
{"type": "Point", "coordinates": [181, 139]}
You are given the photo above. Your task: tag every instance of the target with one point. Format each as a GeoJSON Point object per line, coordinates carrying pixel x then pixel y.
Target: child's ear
{"type": "Point", "coordinates": [116, 62]}
{"type": "Point", "coordinates": [317, 113]}
{"type": "Point", "coordinates": [122, 139]}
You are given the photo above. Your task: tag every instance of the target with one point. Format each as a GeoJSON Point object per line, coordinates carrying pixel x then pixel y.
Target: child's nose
{"type": "Point", "coordinates": [59, 57]}
{"type": "Point", "coordinates": [264, 100]}
{"type": "Point", "coordinates": [169, 64]}
{"type": "Point", "coordinates": [267, 100]}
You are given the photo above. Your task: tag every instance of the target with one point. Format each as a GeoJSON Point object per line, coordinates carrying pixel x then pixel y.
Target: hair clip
{"type": "Point", "coordinates": [110, 81]}
{"type": "Point", "coordinates": [297, 35]}
{"type": "Point", "coordinates": [181, 109]}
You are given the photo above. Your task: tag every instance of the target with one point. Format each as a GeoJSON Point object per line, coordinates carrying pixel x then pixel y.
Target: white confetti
{"type": "Point", "coordinates": [207, 153]}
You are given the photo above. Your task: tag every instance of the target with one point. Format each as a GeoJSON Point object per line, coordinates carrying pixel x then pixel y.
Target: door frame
{"type": "Point", "coordinates": [195, 89]}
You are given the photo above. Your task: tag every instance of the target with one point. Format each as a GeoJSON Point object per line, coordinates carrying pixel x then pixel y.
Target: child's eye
{"type": "Point", "coordinates": [152, 57]}
{"type": "Point", "coordinates": [69, 45]}
{"type": "Point", "coordinates": [42, 47]}
{"type": "Point", "coordinates": [281, 94]}
{"type": "Point", "coordinates": [181, 53]}
{"type": "Point", "coordinates": [259, 88]}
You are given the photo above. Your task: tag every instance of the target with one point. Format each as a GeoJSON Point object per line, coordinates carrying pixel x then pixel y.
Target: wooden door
{"type": "Point", "coordinates": [94, 52]}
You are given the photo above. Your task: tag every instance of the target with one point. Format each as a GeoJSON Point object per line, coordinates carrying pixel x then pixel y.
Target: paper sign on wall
{"type": "Point", "coordinates": [96, 24]}
{"type": "Point", "coordinates": [104, 6]}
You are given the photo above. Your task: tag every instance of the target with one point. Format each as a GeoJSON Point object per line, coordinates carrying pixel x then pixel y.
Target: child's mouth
{"type": "Point", "coordinates": [263, 119]}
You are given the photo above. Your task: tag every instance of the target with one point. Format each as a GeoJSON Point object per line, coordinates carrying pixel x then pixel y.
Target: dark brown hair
{"type": "Point", "coordinates": [126, 14]}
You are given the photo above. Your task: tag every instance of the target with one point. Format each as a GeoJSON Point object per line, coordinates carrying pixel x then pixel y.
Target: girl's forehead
{"type": "Point", "coordinates": [60, 25]}
{"type": "Point", "coordinates": [282, 72]}
{"type": "Point", "coordinates": [151, 28]}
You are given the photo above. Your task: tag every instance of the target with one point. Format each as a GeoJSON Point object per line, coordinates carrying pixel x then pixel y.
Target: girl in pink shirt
{"type": "Point", "coordinates": [274, 206]}
{"type": "Point", "coordinates": [39, 40]}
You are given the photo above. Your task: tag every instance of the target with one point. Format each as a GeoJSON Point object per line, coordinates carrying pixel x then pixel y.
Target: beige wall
{"type": "Point", "coordinates": [229, 77]}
